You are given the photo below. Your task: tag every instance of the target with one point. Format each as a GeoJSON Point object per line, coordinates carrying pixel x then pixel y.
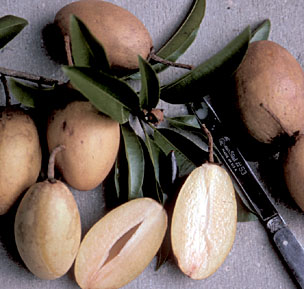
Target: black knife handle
{"type": "Point", "coordinates": [292, 252]}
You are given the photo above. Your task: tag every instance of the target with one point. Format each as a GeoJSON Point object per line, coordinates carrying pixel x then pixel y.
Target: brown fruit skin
{"type": "Point", "coordinates": [48, 229]}
{"type": "Point", "coordinates": [294, 171]}
{"type": "Point", "coordinates": [270, 91]}
{"type": "Point", "coordinates": [20, 156]}
{"type": "Point", "coordinates": [122, 35]}
{"type": "Point", "coordinates": [91, 143]}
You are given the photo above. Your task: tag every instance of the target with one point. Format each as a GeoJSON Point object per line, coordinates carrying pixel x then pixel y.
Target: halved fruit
{"type": "Point", "coordinates": [204, 221]}
{"type": "Point", "coordinates": [121, 245]}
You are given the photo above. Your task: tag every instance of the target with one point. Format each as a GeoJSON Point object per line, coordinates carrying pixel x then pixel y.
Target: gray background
{"type": "Point", "coordinates": [252, 262]}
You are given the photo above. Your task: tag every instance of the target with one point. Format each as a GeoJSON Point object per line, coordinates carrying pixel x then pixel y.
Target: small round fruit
{"type": "Point", "coordinates": [204, 221]}
{"type": "Point", "coordinates": [48, 229]}
{"type": "Point", "coordinates": [20, 156]}
{"type": "Point", "coordinates": [91, 140]}
{"type": "Point", "coordinates": [270, 91]}
{"type": "Point", "coordinates": [121, 245]}
{"type": "Point", "coordinates": [122, 35]}
{"type": "Point", "coordinates": [294, 172]}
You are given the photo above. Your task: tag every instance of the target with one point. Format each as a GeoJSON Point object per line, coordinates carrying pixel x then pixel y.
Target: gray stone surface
{"type": "Point", "coordinates": [252, 262]}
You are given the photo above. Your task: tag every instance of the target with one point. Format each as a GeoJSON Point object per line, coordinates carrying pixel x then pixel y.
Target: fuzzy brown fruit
{"type": "Point", "coordinates": [204, 221]}
{"type": "Point", "coordinates": [294, 171]}
{"type": "Point", "coordinates": [20, 156]}
{"type": "Point", "coordinates": [47, 229]}
{"type": "Point", "coordinates": [120, 246]}
{"type": "Point", "coordinates": [122, 35]}
{"type": "Point", "coordinates": [91, 140]}
{"type": "Point", "coordinates": [270, 91]}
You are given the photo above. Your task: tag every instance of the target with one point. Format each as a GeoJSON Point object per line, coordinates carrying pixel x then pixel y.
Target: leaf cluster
{"type": "Point", "coordinates": [152, 158]}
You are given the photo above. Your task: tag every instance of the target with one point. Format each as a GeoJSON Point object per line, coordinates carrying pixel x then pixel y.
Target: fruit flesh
{"type": "Point", "coordinates": [48, 229]}
{"type": "Point", "coordinates": [119, 246]}
{"type": "Point", "coordinates": [204, 221]}
{"type": "Point", "coordinates": [270, 91]}
{"type": "Point", "coordinates": [122, 35]}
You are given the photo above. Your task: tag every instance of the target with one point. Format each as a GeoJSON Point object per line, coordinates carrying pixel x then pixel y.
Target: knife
{"type": "Point", "coordinates": [227, 152]}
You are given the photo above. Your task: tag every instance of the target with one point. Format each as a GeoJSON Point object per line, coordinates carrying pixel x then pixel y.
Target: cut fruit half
{"type": "Point", "coordinates": [204, 221]}
{"type": "Point", "coordinates": [121, 245]}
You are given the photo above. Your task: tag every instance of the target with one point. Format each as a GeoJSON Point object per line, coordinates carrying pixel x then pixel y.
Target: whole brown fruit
{"type": "Point", "coordinates": [122, 34]}
{"type": "Point", "coordinates": [48, 229]}
{"type": "Point", "coordinates": [91, 140]}
{"type": "Point", "coordinates": [270, 91]}
{"type": "Point", "coordinates": [20, 156]}
{"type": "Point", "coordinates": [294, 171]}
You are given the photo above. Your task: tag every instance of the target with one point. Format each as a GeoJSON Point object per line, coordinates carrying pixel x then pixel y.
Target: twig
{"type": "Point", "coordinates": [51, 165]}
{"type": "Point", "coordinates": [68, 49]}
{"type": "Point", "coordinates": [29, 77]}
{"type": "Point", "coordinates": [6, 90]}
{"type": "Point", "coordinates": [158, 59]}
{"type": "Point", "coordinates": [210, 143]}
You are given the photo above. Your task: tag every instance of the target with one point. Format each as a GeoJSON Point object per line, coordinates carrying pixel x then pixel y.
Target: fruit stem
{"type": "Point", "coordinates": [158, 59]}
{"type": "Point", "coordinates": [28, 77]}
{"type": "Point", "coordinates": [6, 90]}
{"type": "Point", "coordinates": [51, 165]}
{"type": "Point", "coordinates": [210, 143]}
{"type": "Point", "coordinates": [68, 49]}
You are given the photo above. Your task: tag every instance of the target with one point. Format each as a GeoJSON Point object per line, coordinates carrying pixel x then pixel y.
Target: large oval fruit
{"type": "Point", "coordinates": [20, 156]}
{"type": "Point", "coordinates": [294, 171]}
{"type": "Point", "coordinates": [120, 246]}
{"type": "Point", "coordinates": [47, 229]}
{"type": "Point", "coordinates": [270, 91]}
{"type": "Point", "coordinates": [204, 221]}
{"type": "Point", "coordinates": [91, 140]}
{"type": "Point", "coordinates": [122, 35]}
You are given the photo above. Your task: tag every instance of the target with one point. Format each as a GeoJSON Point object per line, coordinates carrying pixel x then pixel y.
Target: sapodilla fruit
{"type": "Point", "coordinates": [91, 140]}
{"type": "Point", "coordinates": [47, 227]}
{"type": "Point", "coordinates": [20, 155]}
{"type": "Point", "coordinates": [121, 245]}
{"type": "Point", "coordinates": [121, 33]}
{"type": "Point", "coordinates": [294, 171]}
{"type": "Point", "coordinates": [204, 221]}
{"type": "Point", "coordinates": [270, 91]}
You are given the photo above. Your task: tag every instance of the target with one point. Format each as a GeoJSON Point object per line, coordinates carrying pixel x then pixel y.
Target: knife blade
{"type": "Point", "coordinates": [227, 152]}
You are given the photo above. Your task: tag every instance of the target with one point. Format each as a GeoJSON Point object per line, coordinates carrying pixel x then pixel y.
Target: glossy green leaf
{"type": "Point", "coordinates": [10, 26]}
{"type": "Point", "coordinates": [136, 163]}
{"type": "Point", "coordinates": [191, 146]}
{"type": "Point", "coordinates": [184, 36]}
{"type": "Point", "coordinates": [116, 178]}
{"type": "Point", "coordinates": [154, 152]}
{"type": "Point", "coordinates": [181, 40]}
{"type": "Point", "coordinates": [86, 49]}
{"type": "Point", "coordinates": [186, 122]}
{"type": "Point", "coordinates": [150, 187]}
{"type": "Point", "coordinates": [262, 31]}
{"type": "Point", "coordinates": [149, 92]}
{"type": "Point", "coordinates": [30, 95]}
{"type": "Point", "coordinates": [120, 178]}
{"type": "Point", "coordinates": [185, 165]}
{"type": "Point", "coordinates": [108, 94]}
{"type": "Point", "coordinates": [205, 77]}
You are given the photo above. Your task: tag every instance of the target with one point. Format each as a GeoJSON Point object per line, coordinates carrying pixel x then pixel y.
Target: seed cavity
{"type": "Point", "coordinates": [120, 243]}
